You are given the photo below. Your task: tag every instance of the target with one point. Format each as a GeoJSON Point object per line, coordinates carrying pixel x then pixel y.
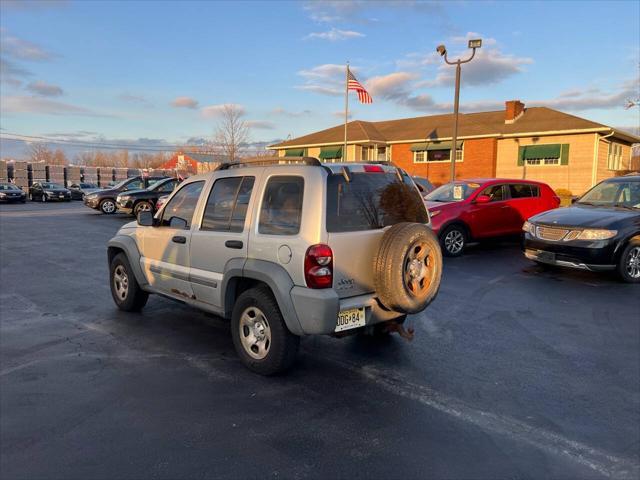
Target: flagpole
{"type": "Point", "coordinates": [346, 111]}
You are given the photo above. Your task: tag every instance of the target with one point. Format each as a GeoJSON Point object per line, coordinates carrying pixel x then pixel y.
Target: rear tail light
{"type": "Point", "coordinates": [373, 169]}
{"type": "Point", "coordinates": [318, 266]}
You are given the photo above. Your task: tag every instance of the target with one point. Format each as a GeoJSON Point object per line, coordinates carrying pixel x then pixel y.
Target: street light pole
{"type": "Point", "coordinates": [442, 50]}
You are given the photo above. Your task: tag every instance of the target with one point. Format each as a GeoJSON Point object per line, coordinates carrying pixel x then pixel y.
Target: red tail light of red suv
{"type": "Point", "coordinates": [318, 266]}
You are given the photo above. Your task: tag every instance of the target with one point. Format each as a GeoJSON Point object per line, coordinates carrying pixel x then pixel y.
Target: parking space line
{"type": "Point", "coordinates": [597, 460]}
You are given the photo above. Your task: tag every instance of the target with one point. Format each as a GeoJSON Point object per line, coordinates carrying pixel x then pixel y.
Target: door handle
{"type": "Point", "coordinates": [179, 239]}
{"type": "Point", "coordinates": [233, 244]}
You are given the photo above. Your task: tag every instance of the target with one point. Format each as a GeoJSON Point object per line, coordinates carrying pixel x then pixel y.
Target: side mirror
{"type": "Point", "coordinates": [483, 199]}
{"type": "Point", "coordinates": [145, 219]}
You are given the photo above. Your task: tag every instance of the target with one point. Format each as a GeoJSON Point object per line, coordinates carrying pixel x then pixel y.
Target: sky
{"type": "Point", "coordinates": [157, 73]}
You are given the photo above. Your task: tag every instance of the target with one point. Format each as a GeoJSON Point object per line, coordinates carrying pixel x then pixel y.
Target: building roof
{"type": "Point", "coordinates": [433, 127]}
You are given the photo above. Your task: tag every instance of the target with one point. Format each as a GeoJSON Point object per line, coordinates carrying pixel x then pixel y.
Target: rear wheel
{"type": "Point", "coordinates": [43, 197]}
{"type": "Point", "coordinates": [142, 206]}
{"type": "Point", "coordinates": [453, 240]}
{"type": "Point", "coordinates": [629, 263]}
{"type": "Point", "coordinates": [261, 338]}
{"type": "Point", "coordinates": [108, 206]}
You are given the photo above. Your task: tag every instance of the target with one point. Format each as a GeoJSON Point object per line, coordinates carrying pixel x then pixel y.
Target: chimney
{"type": "Point", "coordinates": [513, 111]}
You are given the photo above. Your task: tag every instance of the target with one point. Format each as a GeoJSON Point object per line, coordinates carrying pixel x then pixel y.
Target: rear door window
{"type": "Point", "coordinates": [523, 190]}
{"type": "Point", "coordinates": [281, 210]}
{"type": "Point", "coordinates": [371, 201]}
{"type": "Point", "coordinates": [227, 204]}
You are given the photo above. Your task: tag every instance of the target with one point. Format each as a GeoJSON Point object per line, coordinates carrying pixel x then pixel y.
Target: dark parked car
{"type": "Point", "coordinates": [48, 191]}
{"type": "Point", "coordinates": [600, 231]}
{"type": "Point", "coordinates": [105, 200]}
{"type": "Point", "coordinates": [424, 185]}
{"type": "Point", "coordinates": [136, 201]}
{"type": "Point", "coordinates": [481, 208]}
{"type": "Point", "coordinates": [10, 193]}
{"type": "Point", "coordinates": [78, 190]}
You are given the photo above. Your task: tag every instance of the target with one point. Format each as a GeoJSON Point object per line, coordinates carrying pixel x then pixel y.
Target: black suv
{"type": "Point", "coordinates": [135, 201]}
{"type": "Point", "coordinates": [105, 200]}
{"type": "Point", "coordinates": [600, 231]}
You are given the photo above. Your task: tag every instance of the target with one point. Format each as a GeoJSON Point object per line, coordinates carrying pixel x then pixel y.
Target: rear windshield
{"type": "Point", "coordinates": [371, 201]}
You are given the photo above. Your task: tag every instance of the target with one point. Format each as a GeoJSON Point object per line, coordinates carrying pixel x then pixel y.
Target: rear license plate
{"type": "Point", "coordinates": [546, 256]}
{"type": "Point", "coordinates": [352, 318]}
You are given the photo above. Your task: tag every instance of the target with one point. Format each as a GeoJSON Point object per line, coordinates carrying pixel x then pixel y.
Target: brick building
{"type": "Point", "coordinates": [536, 143]}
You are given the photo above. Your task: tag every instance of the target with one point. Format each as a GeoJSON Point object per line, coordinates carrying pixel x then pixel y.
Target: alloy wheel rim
{"type": "Point", "coordinates": [418, 271]}
{"type": "Point", "coordinates": [454, 241]}
{"type": "Point", "coordinates": [121, 282]}
{"type": "Point", "coordinates": [144, 207]}
{"type": "Point", "coordinates": [108, 206]}
{"type": "Point", "coordinates": [255, 333]}
{"type": "Point", "coordinates": [633, 263]}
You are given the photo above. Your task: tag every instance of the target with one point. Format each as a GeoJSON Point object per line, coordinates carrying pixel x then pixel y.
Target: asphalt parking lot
{"type": "Point", "coordinates": [514, 372]}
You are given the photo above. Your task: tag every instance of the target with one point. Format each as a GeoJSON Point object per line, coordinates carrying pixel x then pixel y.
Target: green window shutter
{"type": "Point", "coordinates": [521, 156]}
{"type": "Point", "coordinates": [418, 147]}
{"type": "Point", "coordinates": [294, 152]}
{"type": "Point", "coordinates": [330, 152]}
{"type": "Point", "coordinates": [564, 154]}
{"type": "Point", "coordinates": [542, 151]}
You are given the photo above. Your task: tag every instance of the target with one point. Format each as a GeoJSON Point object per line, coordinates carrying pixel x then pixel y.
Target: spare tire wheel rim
{"type": "Point", "coordinates": [418, 269]}
{"type": "Point", "coordinates": [454, 241]}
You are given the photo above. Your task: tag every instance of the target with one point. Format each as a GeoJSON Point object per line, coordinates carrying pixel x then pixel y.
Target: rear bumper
{"type": "Point", "coordinates": [593, 256]}
{"type": "Point", "coordinates": [317, 310]}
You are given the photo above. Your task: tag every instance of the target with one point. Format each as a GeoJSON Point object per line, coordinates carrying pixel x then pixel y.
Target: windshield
{"type": "Point", "coordinates": [624, 194]}
{"type": "Point", "coordinates": [453, 192]}
{"type": "Point", "coordinates": [88, 185]}
{"type": "Point", "coordinates": [371, 201]}
{"type": "Point", "coordinates": [52, 185]}
{"type": "Point", "coordinates": [8, 186]}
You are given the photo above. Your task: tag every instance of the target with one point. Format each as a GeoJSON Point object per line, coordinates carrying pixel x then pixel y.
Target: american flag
{"type": "Point", "coordinates": [354, 84]}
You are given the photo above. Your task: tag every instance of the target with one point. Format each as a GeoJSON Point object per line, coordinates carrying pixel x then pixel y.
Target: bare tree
{"type": "Point", "coordinates": [232, 131]}
{"type": "Point", "coordinates": [40, 152]}
{"type": "Point", "coordinates": [58, 158]}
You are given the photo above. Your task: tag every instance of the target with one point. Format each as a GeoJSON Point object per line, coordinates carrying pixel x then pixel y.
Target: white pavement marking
{"type": "Point", "coordinates": [597, 460]}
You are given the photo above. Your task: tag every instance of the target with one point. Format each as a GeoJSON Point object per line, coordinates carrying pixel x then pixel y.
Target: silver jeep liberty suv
{"type": "Point", "coordinates": [285, 247]}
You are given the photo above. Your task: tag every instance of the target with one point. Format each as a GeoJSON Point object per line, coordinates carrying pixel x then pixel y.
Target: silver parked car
{"type": "Point", "coordinates": [285, 248]}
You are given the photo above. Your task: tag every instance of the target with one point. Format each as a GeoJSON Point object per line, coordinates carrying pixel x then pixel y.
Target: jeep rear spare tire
{"type": "Point", "coordinates": [408, 268]}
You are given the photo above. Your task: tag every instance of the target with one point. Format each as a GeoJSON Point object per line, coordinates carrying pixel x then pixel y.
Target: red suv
{"type": "Point", "coordinates": [481, 208]}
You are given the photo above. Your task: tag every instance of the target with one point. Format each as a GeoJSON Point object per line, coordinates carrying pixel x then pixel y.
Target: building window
{"type": "Point", "coordinates": [382, 154]}
{"type": "Point", "coordinates": [543, 161]}
{"type": "Point", "coordinates": [614, 160]}
{"type": "Point", "coordinates": [544, 154]}
{"type": "Point", "coordinates": [424, 156]}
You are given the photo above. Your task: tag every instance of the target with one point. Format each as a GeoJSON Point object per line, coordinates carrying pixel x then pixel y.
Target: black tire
{"type": "Point", "coordinates": [24, 200]}
{"type": "Point", "coordinates": [628, 264]}
{"type": "Point", "coordinates": [108, 206]}
{"type": "Point", "coordinates": [408, 268]}
{"type": "Point", "coordinates": [138, 207]}
{"type": "Point", "coordinates": [282, 348]}
{"type": "Point", "coordinates": [43, 198]}
{"type": "Point", "coordinates": [134, 299]}
{"type": "Point", "coordinates": [453, 240]}
{"type": "Point", "coordinates": [381, 330]}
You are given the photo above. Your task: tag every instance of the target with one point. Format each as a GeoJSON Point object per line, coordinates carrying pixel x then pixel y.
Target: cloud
{"type": "Point", "coordinates": [184, 102]}
{"type": "Point", "coordinates": [19, 49]}
{"type": "Point", "coordinates": [260, 125]}
{"type": "Point", "coordinates": [335, 34]}
{"type": "Point", "coordinates": [44, 89]}
{"type": "Point", "coordinates": [11, 73]}
{"type": "Point", "coordinates": [25, 104]}
{"type": "Point", "coordinates": [326, 79]}
{"type": "Point", "coordinates": [80, 134]}
{"type": "Point", "coordinates": [592, 98]}
{"type": "Point", "coordinates": [136, 99]}
{"type": "Point", "coordinates": [392, 86]}
{"type": "Point", "coordinates": [287, 113]}
{"type": "Point", "coordinates": [213, 111]}
{"type": "Point", "coordinates": [361, 11]}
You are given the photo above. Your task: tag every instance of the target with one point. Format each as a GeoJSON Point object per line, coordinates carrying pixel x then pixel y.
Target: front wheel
{"type": "Point", "coordinates": [108, 206]}
{"type": "Point", "coordinates": [43, 198]}
{"type": "Point", "coordinates": [629, 263]}
{"type": "Point", "coordinates": [453, 240]}
{"type": "Point", "coordinates": [125, 290]}
{"type": "Point", "coordinates": [261, 338]}
{"type": "Point", "coordinates": [142, 206]}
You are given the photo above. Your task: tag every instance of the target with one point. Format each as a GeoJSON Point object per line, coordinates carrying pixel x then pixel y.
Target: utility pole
{"type": "Point", "coordinates": [442, 50]}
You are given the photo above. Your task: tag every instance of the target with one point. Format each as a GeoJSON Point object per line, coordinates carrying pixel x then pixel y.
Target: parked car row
{"type": "Point", "coordinates": [106, 201]}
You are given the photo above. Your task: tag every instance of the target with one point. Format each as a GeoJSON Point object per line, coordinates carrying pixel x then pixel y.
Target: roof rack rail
{"type": "Point", "coordinates": [262, 161]}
